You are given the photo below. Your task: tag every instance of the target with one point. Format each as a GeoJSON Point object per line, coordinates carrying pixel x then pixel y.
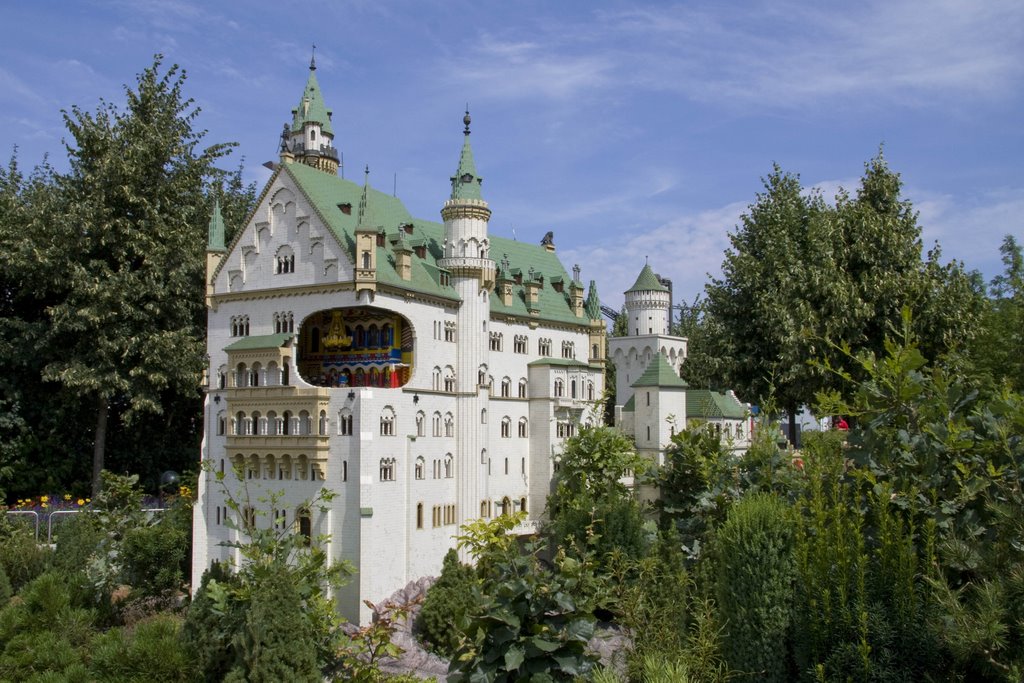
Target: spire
{"type": "Point", "coordinates": [593, 303]}
{"type": "Point", "coordinates": [368, 219]}
{"type": "Point", "coordinates": [312, 60]}
{"type": "Point", "coordinates": [647, 281]}
{"type": "Point", "coordinates": [311, 106]}
{"type": "Point", "coordinates": [216, 232]}
{"type": "Point", "coordinates": [465, 182]}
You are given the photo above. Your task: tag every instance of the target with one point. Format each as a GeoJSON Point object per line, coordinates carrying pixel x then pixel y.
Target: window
{"type": "Point", "coordinates": [523, 427]}
{"type": "Point", "coordinates": [559, 388]}
{"type": "Point", "coordinates": [544, 347]}
{"type": "Point", "coordinates": [572, 388]}
{"type": "Point", "coordinates": [387, 469]}
{"type": "Point", "coordinates": [437, 424]}
{"type": "Point", "coordinates": [496, 341]}
{"type": "Point", "coordinates": [449, 332]}
{"type": "Point", "coordinates": [519, 343]}
{"type": "Point", "coordinates": [483, 416]}
{"type": "Point", "coordinates": [419, 515]}
{"type": "Point", "coordinates": [240, 326]}
{"type": "Point", "coordinates": [304, 525]}
{"type": "Point", "coordinates": [590, 391]}
{"type": "Point", "coordinates": [449, 379]}
{"type": "Point", "coordinates": [506, 465]}
{"type": "Point", "coordinates": [421, 424]}
{"type": "Point", "coordinates": [437, 468]}
{"type": "Point", "coordinates": [436, 383]}
{"type": "Point", "coordinates": [387, 422]}
{"type": "Point", "coordinates": [421, 465]}
{"type": "Point", "coordinates": [522, 388]}
{"type": "Point", "coordinates": [284, 322]}
{"type": "Point", "coordinates": [280, 519]}
{"type": "Point", "coordinates": [565, 430]}
{"type": "Point", "coordinates": [506, 387]}
{"type": "Point", "coordinates": [568, 349]}
{"type": "Point", "coordinates": [284, 262]}
{"type": "Point", "coordinates": [449, 466]}
{"type": "Point", "coordinates": [449, 425]}
{"type": "Point", "coordinates": [323, 423]}
{"type": "Point", "coordinates": [345, 422]}
{"type": "Point", "coordinates": [506, 427]}
{"type": "Point", "coordinates": [221, 422]}
{"type": "Point", "coordinates": [436, 516]}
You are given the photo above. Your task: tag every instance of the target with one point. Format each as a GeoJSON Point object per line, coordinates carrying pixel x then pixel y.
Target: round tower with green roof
{"type": "Point", "coordinates": [309, 139]}
{"type": "Point", "coordinates": [647, 304]}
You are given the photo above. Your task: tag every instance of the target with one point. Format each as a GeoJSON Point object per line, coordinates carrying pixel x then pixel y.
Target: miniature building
{"type": "Point", "coordinates": [426, 373]}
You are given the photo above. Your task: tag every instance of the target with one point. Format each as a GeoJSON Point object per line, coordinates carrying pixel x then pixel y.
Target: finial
{"type": "Point", "coordinates": [312, 60]}
{"type": "Point", "coordinates": [366, 173]}
{"type": "Point", "coordinates": [466, 120]}
{"type": "Point", "coordinates": [576, 272]}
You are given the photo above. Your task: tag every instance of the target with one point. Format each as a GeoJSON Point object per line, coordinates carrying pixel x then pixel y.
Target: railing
{"type": "Point", "coordinates": [35, 516]}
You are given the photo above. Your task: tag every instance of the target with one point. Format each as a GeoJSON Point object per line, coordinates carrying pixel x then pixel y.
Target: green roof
{"type": "Point", "coordinates": [593, 303]}
{"type": "Point", "coordinates": [630, 405]}
{"type": "Point", "coordinates": [647, 281]}
{"type": "Point", "coordinates": [327, 192]}
{"type": "Point", "coordinates": [311, 107]}
{"type": "Point", "coordinates": [707, 404]}
{"type": "Point", "coordinates": [216, 231]}
{"type": "Point", "coordinates": [465, 182]}
{"type": "Point", "coordinates": [560, 362]}
{"type": "Point", "coordinates": [263, 341]}
{"type": "Point", "coordinates": [367, 218]}
{"type": "Point", "coordinates": [659, 374]}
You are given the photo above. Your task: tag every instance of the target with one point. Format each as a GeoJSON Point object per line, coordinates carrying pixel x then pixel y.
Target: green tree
{"type": "Point", "coordinates": [804, 280]}
{"type": "Point", "coordinates": [997, 351]}
{"type": "Point", "coordinates": [445, 606]}
{"type": "Point", "coordinates": [126, 253]}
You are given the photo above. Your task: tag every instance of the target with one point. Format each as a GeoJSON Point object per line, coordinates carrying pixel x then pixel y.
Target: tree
{"type": "Point", "coordinates": [997, 351]}
{"type": "Point", "coordinates": [804, 280]}
{"type": "Point", "coordinates": [127, 252]}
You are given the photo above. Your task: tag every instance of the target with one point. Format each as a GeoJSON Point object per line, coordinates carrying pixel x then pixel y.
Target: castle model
{"type": "Point", "coordinates": [426, 373]}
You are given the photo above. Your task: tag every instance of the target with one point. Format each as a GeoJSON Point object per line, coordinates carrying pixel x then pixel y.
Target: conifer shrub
{"type": "Point", "coordinates": [445, 606]}
{"type": "Point", "coordinates": [77, 539]}
{"type": "Point", "coordinates": [21, 557]}
{"type": "Point", "coordinates": [152, 650]}
{"type": "Point", "coordinates": [276, 642]}
{"type": "Point", "coordinates": [153, 557]}
{"type": "Point", "coordinates": [210, 625]}
{"type": "Point", "coordinates": [755, 574]}
{"type": "Point", "coordinates": [5, 588]}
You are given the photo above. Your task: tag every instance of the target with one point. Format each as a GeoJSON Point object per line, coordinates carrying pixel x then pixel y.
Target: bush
{"type": "Point", "coordinates": [77, 538]}
{"type": "Point", "coordinates": [207, 631]}
{"type": "Point", "coordinates": [754, 552]}
{"type": "Point", "coordinates": [150, 651]}
{"type": "Point", "coordinates": [21, 557]}
{"type": "Point", "coordinates": [152, 557]}
{"type": "Point", "coordinates": [445, 606]}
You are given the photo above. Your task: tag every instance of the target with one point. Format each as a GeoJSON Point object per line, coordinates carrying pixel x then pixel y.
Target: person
{"type": "Point", "coordinates": [842, 426]}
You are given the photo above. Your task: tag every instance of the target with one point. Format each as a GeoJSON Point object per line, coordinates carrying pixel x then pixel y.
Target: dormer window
{"type": "Point", "coordinates": [312, 135]}
{"type": "Point", "coordinates": [346, 208]}
{"type": "Point", "coordinates": [466, 178]}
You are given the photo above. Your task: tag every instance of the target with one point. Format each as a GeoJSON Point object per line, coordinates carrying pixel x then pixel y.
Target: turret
{"type": "Point", "coordinates": [367, 228]}
{"type": "Point", "coordinates": [647, 305]}
{"type": "Point", "coordinates": [215, 249]}
{"type": "Point", "coordinates": [598, 330]}
{"type": "Point", "coordinates": [310, 138]}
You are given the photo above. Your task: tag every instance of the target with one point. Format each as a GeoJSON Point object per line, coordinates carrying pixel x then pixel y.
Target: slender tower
{"type": "Point", "coordinates": [310, 137]}
{"type": "Point", "coordinates": [467, 259]}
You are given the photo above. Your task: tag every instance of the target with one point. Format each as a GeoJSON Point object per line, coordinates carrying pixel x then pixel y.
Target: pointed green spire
{"type": "Point", "coordinates": [311, 106]}
{"type": "Point", "coordinates": [593, 304]}
{"type": "Point", "coordinates": [216, 232]}
{"type": "Point", "coordinates": [647, 281]}
{"type": "Point", "coordinates": [368, 221]}
{"type": "Point", "coordinates": [465, 182]}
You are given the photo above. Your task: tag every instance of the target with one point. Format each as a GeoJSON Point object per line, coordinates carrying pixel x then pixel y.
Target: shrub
{"type": "Point", "coordinates": [754, 551]}
{"type": "Point", "coordinates": [209, 627]}
{"type": "Point", "coordinates": [77, 538]}
{"type": "Point", "coordinates": [445, 606]}
{"type": "Point", "coordinates": [152, 557]}
{"type": "Point", "coordinates": [21, 556]}
{"type": "Point", "coordinates": [150, 651]}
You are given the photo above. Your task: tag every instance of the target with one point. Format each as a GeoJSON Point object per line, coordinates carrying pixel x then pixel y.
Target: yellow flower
{"type": "Point", "coordinates": [87, 500]}
{"type": "Point", "coordinates": [44, 505]}
{"type": "Point", "coordinates": [81, 502]}
{"type": "Point", "coordinates": [44, 499]}
{"type": "Point", "coordinates": [67, 496]}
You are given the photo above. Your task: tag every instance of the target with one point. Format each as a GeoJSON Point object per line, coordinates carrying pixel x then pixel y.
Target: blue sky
{"type": "Point", "coordinates": [631, 130]}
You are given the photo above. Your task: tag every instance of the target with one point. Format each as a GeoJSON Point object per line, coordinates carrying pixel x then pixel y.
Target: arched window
{"type": "Point", "coordinates": [387, 469]}
{"type": "Point", "coordinates": [449, 466]}
{"type": "Point", "coordinates": [419, 515]}
{"type": "Point", "coordinates": [449, 425]}
{"type": "Point", "coordinates": [436, 384]}
{"type": "Point", "coordinates": [559, 388]}
{"type": "Point", "coordinates": [437, 424]}
{"type": "Point", "coordinates": [284, 374]}
{"type": "Point", "coordinates": [421, 424]}
{"type": "Point", "coordinates": [506, 387]}
{"type": "Point", "coordinates": [305, 525]}
{"type": "Point", "coordinates": [523, 427]}
{"type": "Point", "coordinates": [420, 467]}
{"type": "Point", "coordinates": [323, 423]}
{"type": "Point", "coordinates": [590, 391]}
{"type": "Point", "coordinates": [221, 423]}
{"type": "Point", "coordinates": [572, 389]}
{"type": "Point", "coordinates": [506, 506]}
{"type": "Point", "coordinates": [387, 422]}
{"type": "Point", "coordinates": [288, 426]}
{"type": "Point", "coordinates": [345, 422]}
{"type": "Point", "coordinates": [522, 388]}
{"type": "Point", "coordinates": [506, 427]}
{"type": "Point", "coordinates": [483, 416]}
{"type": "Point", "coordinates": [305, 424]}
{"type": "Point", "coordinates": [522, 505]}
{"type": "Point", "coordinates": [449, 379]}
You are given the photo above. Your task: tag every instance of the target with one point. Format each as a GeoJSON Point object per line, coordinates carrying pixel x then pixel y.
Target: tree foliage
{"type": "Point", "coordinates": [803, 279]}
{"type": "Point", "coordinates": [102, 280]}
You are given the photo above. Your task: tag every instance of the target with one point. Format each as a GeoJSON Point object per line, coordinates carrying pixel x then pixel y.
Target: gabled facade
{"type": "Point", "coordinates": [427, 373]}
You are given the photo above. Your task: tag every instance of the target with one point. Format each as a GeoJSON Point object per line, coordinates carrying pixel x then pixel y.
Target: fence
{"type": "Point", "coordinates": [37, 520]}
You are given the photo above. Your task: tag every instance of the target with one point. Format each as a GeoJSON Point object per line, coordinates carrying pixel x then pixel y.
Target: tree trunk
{"type": "Point", "coordinates": [99, 444]}
{"type": "Point", "coordinates": [792, 426]}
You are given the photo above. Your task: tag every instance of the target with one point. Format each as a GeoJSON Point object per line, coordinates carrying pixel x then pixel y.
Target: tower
{"type": "Point", "coordinates": [367, 229]}
{"type": "Point", "coordinates": [647, 305]}
{"type": "Point", "coordinates": [472, 272]}
{"type": "Point", "coordinates": [215, 250]}
{"type": "Point", "coordinates": [310, 138]}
